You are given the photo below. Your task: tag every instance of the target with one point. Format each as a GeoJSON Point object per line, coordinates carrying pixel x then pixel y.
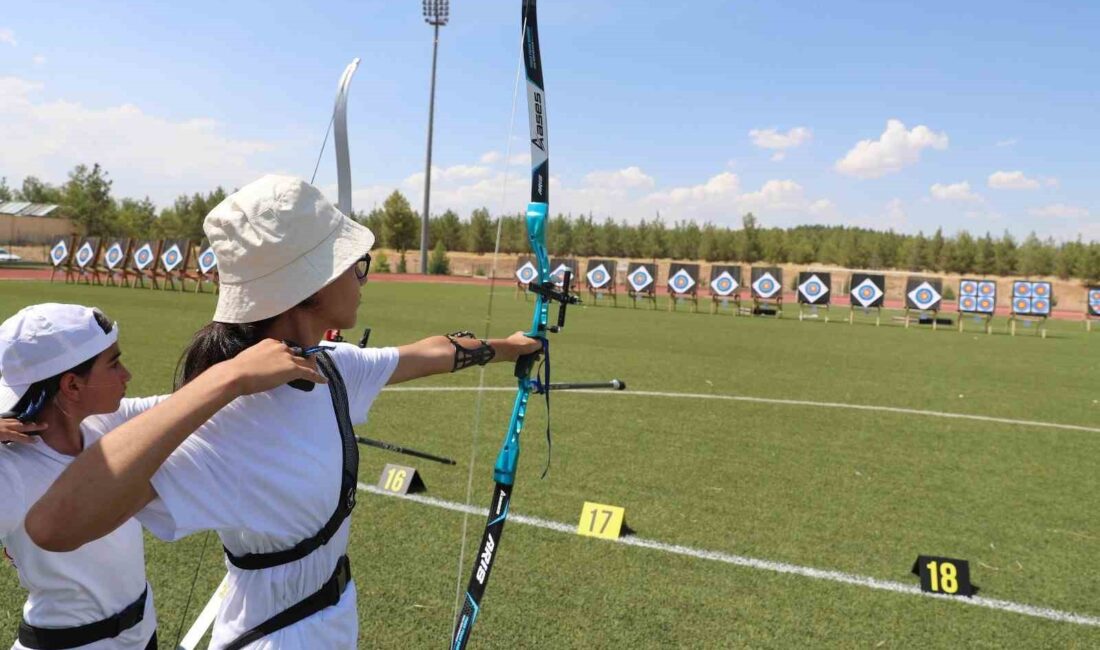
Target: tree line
{"type": "Point", "coordinates": [86, 199]}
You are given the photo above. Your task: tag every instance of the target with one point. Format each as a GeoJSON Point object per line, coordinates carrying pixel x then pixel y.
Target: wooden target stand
{"type": "Point", "coordinates": [89, 271]}
{"type": "Point", "coordinates": [775, 303]}
{"type": "Point", "coordinates": [210, 275]}
{"type": "Point", "coordinates": [63, 265]}
{"type": "Point", "coordinates": [813, 309]}
{"type": "Point", "coordinates": [608, 288]}
{"type": "Point", "coordinates": [1092, 309]}
{"type": "Point", "coordinates": [920, 312]}
{"type": "Point", "coordinates": [688, 295]}
{"type": "Point", "coordinates": [117, 275]}
{"type": "Point", "coordinates": [1040, 331]}
{"type": "Point", "coordinates": [866, 312]}
{"type": "Point", "coordinates": [648, 292]}
{"type": "Point", "coordinates": [150, 270]}
{"type": "Point", "coordinates": [177, 272]}
{"type": "Point", "coordinates": [985, 319]}
{"type": "Point", "coordinates": [719, 300]}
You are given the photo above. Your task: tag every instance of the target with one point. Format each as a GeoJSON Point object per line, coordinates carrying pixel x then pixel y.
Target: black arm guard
{"type": "Point", "coordinates": [466, 357]}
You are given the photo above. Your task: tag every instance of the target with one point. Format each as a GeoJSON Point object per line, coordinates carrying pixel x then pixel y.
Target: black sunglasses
{"type": "Point", "coordinates": [362, 267]}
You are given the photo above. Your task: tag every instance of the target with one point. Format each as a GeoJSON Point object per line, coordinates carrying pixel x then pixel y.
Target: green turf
{"type": "Point", "coordinates": [860, 492]}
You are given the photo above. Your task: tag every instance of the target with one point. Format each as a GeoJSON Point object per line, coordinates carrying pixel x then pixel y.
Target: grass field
{"type": "Point", "coordinates": [861, 492]}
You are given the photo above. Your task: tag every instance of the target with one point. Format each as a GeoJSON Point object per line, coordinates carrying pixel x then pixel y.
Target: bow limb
{"type": "Point", "coordinates": [343, 155]}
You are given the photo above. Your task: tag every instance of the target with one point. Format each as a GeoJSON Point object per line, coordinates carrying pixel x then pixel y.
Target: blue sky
{"type": "Point", "coordinates": [912, 116]}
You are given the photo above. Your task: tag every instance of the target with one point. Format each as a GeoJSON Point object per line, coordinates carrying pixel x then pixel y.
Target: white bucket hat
{"type": "Point", "coordinates": [278, 241]}
{"type": "Point", "coordinates": [42, 341]}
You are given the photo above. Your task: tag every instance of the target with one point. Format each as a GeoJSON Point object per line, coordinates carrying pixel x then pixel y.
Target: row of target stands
{"type": "Point", "coordinates": [122, 261]}
{"type": "Point", "coordinates": [1031, 301]}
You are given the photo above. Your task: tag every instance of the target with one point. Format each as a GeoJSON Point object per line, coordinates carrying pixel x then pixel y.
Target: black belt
{"type": "Point", "coordinates": [59, 638]}
{"type": "Point", "coordinates": [328, 595]}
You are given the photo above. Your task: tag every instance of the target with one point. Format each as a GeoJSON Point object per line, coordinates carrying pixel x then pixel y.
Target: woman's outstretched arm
{"type": "Point", "coordinates": [109, 481]}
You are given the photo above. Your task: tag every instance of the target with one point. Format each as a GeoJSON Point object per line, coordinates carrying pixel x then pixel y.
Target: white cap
{"type": "Point", "coordinates": [278, 241]}
{"type": "Point", "coordinates": [42, 341]}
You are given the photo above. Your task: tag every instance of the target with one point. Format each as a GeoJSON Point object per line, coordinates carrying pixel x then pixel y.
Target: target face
{"type": "Point", "coordinates": [207, 260]}
{"type": "Point", "coordinates": [143, 257]}
{"type": "Point", "coordinates": [681, 281]}
{"type": "Point", "coordinates": [765, 286]}
{"type": "Point", "coordinates": [968, 288]}
{"type": "Point", "coordinates": [1021, 289]}
{"type": "Point", "coordinates": [84, 254]}
{"type": "Point", "coordinates": [114, 255]}
{"type": "Point", "coordinates": [59, 253]}
{"type": "Point", "coordinates": [968, 303]}
{"type": "Point", "coordinates": [1040, 289]}
{"type": "Point", "coordinates": [724, 284]}
{"type": "Point", "coordinates": [598, 277]}
{"type": "Point", "coordinates": [987, 289]}
{"type": "Point", "coordinates": [924, 296]}
{"type": "Point", "coordinates": [1094, 301]}
{"type": "Point", "coordinates": [527, 273]}
{"type": "Point", "coordinates": [558, 274]}
{"type": "Point", "coordinates": [813, 290]}
{"type": "Point", "coordinates": [171, 258]}
{"type": "Point", "coordinates": [867, 293]}
{"type": "Point", "coordinates": [986, 305]}
{"type": "Point", "coordinates": [640, 278]}
{"type": "Point", "coordinates": [1021, 305]}
{"type": "Point", "coordinates": [1040, 306]}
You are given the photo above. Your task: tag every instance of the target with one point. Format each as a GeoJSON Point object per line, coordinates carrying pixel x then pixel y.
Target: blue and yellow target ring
{"type": "Point", "coordinates": [598, 277]}
{"type": "Point", "coordinates": [968, 288]}
{"type": "Point", "coordinates": [725, 284]}
{"type": "Point", "coordinates": [986, 289]}
{"type": "Point", "coordinates": [766, 286]}
{"type": "Point", "coordinates": [640, 278]}
{"type": "Point", "coordinates": [813, 289]}
{"type": "Point", "coordinates": [1041, 289]}
{"type": "Point", "coordinates": [207, 259]}
{"type": "Point", "coordinates": [527, 274]}
{"type": "Point", "coordinates": [968, 303]}
{"type": "Point", "coordinates": [1022, 289]}
{"type": "Point", "coordinates": [1023, 305]}
{"type": "Point", "coordinates": [114, 256]}
{"type": "Point", "coordinates": [924, 296]}
{"type": "Point", "coordinates": [867, 293]}
{"type": "Point", "coordinates": [83, 256]}
{"type": "Point", "coordinates": [143, 256]}
{"type": "Point", "coordinates": [1040, 306]}
{"type": "Point", "coordinates": [680, 283]}
{"type": "Point", "coordinates": [985, 305]}
{"type": "Point", "coordinates": [59, 252]}
{"type": "Point", "coordinates": [171, 257]}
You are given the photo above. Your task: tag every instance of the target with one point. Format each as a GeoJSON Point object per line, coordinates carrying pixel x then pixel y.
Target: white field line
{"type": "Point", "coordinates": [769, 400]}
{"type": "Point", "coordinates": [764, 565]}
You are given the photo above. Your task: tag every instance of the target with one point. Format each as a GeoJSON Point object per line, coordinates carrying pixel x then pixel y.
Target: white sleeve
{"type": "Point", "coordinates": [129, 408]}
{"type": "Point", "coordinates": [12, 505]}
{"type": "Point", "coordinates": [199, 481]}
{"type": "Point", "coordinates": [365, 372]}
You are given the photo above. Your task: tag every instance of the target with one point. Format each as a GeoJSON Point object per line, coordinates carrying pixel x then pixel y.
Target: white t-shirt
{"type": "Point", "coordinates": [264, 473]}
{"type": "Point", "coordinates": [94, 582]}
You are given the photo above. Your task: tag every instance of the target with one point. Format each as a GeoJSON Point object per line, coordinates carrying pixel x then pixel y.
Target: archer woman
{"type": "Point", "coordinates": [62, 386]}
{"type": "Point", "coordinates": [274, 473]}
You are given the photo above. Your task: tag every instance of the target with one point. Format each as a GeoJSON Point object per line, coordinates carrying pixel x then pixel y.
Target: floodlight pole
{"type": "Point", "coordinates": [436, 13]}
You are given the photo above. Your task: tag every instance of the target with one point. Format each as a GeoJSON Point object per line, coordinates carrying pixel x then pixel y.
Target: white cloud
{"type": "Point", "coordinates": [624, 179]}
{"type": "Point", "coordinates": [895, 149]}
{"type": "Point", "coordinates": [1015, 180]}
{"type": "Point", "coordinates": [39, 60]}
{"type": "Point", "coordinates": [723, 186]}
{"type": "Point", "coordinates": [7, 36]}
{"type": "Point", "coordinates": [773, 139]}
{"type": "Point", "coordinates": [779, 156]}
{"type": "Point", "coordinates": [1007, 143]}
{"type": "Point", "coordinates": [1060, 211]}
{"type": "Point", "coordinates": [145, 154]}
{"type": "Point", "coordinates": [490, 157]}
{"type": "Point", "coordinates": [953, 192]}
